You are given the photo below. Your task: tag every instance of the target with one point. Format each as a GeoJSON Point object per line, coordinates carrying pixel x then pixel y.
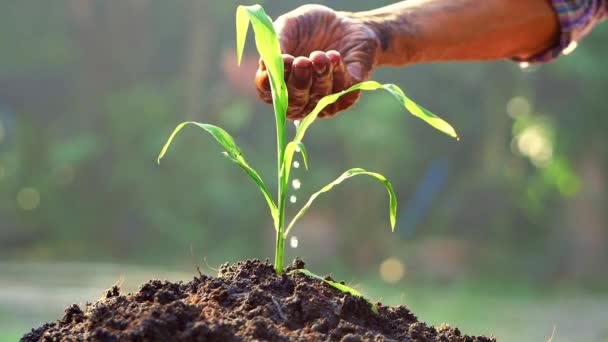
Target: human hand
{"type": "Point", "coordinates": [325, 52]}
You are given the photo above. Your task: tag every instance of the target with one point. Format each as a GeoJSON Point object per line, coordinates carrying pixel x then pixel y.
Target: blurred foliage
{"type": "Point", "coordinates": [90, 89]}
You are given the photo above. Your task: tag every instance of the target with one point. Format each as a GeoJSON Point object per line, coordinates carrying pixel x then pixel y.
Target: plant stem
{"type": "Point", "coordinates": [281, 182]}
{"type": "Point", "coordinates": [279, 252]}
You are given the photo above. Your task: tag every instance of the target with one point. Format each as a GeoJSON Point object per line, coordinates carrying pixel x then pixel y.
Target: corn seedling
{"type": "Point", "coordinates": [267, 44]}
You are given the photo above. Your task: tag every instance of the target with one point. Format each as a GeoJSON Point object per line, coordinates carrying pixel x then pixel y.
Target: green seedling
{"type": "Point", "coordinates": [267, 44]}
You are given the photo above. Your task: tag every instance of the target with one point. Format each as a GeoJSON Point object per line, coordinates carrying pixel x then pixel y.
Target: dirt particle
{"type": "Point", "coordinates": [113, 292]}
{"type": "Point", "coordinates": [73, 314]}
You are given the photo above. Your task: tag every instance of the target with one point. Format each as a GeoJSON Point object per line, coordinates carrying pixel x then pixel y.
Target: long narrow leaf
{"type": "Point", "coordinates": [232, 152]}
{"type": "Point", "coordinates": [341, 287]}
{"type": "Point", "coordinates": [221, 136]}
{"type": "Point", "coordinates": [348, 174]}
{"type": "Point", "coordinates": [420, 111]}
{"type": "Point", "coordinates": [410, 105]}
{"type": "Point", "coordinates": [267, 43]}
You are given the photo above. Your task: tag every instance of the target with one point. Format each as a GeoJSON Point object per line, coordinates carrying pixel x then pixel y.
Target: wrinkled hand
{"type": "Point", "coordinates": [325, 52]}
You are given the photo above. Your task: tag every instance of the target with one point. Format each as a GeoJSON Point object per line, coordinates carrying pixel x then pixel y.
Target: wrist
{"type": "Point", "coordinates": [396, 37]}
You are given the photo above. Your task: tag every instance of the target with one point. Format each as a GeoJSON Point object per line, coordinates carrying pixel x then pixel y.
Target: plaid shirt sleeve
{"type": "Point", "coordinates": [576, 18]}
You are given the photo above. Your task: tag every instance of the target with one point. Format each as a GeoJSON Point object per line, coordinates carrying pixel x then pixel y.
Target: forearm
{"type": "Point", "coordinates": [419, 31]}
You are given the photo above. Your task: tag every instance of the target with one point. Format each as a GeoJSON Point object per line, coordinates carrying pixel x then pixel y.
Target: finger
{"type": "Point", "coordinates": [322, 83]}
{"type": "Point", "coordinates": [287, 65]}
{"type": "Point", "coordinates": [262, 78]}
{"type": "Point", "coordinates": [323, 75]}
{"type": "Point", "coordinates": [342, 81]}
{"type": "Point", "coordinates": [298, 86]}
{"type": "Point", "coordinates": [339, 84]}
{"type": "Point", "coordinates": [262, 83]}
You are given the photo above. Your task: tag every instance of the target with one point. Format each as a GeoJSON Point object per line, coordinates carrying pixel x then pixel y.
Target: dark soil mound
{"type": "Point", "coordinates": [247, 301]}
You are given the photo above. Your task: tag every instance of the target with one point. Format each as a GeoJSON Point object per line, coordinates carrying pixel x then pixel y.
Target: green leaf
{"type": "Point", "coordinates": [267, 43]}
{"type": "Point", "coordinates": [232, 152]}
{"type": "Point", "coordinates": [420, 111]}
{"type": "Point", "coordinates": [341, 287]}
{"type": "Point", "coordinates": [253, 174]}
{"type": "Point", "coordinates": [221, 136]}
{"type": "Point", "coordinates": [348, 174]}
{"type": "Point", "coordinates": [410, 105]}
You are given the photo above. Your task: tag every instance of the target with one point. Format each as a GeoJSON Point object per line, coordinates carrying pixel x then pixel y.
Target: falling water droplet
{"type": "Point", "coordinates": [296, 164]}
{"type": "Point", "coordinates": [298, 149]}
{"type": "Point", "coordinates": [293, 199]}
{"type": "Point", "coordinates": [293, 242]}
{"type": "Point", "coordinates": [570, 49]}
{"type": "Point", "coordinates": [296, 123]}
{"type": "Point", "coordinates": [297, 184]}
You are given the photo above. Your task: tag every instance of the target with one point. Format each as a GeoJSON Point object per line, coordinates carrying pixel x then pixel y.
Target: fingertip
{"type": "Point", "coordinates": [335, 58]}
{"type": "Point", "coordinates": [302, 72]}
{"type": "Point", "coordinates": [262, 81]}
{"type": "Point", "coordinates": [287, 64]}
{"type": "Point", "coordinates": [320, 61]}
{"type": "Point", "coordinates": [302, 63]}
{"type": "Point", "coordinates": [288, 60]}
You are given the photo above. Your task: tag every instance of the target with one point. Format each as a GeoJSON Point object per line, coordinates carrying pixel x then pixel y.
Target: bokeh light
{"type": "Point", "coordinates": [28, 198]}
{"type": "Point", "coordinates": [535, 143]}
{"type": "Point", "coordinates": [518, 106]}
{"type": "Point", "coordinates": [392, 270]}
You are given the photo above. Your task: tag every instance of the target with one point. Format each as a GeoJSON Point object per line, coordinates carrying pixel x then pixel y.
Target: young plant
{"type": "Point", "coordinates": [267, 44]}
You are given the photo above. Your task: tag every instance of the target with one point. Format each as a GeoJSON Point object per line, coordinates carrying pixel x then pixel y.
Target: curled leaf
{"type": "Point", "coordinates": [394, 90]}
{"type": "Point", "coordinates": [233, 152]}
{"type": "Point", "coordinates": [346, 175]}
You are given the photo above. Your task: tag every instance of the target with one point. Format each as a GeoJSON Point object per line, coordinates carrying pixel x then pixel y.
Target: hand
{"type": "Point", "coordinates": [325, 52]}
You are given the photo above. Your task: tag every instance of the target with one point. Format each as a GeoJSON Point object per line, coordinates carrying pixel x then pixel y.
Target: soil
{"type": "Point", "coordinates": [247, 301]}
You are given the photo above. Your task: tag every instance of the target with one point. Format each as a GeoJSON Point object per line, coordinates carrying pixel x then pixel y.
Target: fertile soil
{"type": "Point", "coordinates": [247, 301]}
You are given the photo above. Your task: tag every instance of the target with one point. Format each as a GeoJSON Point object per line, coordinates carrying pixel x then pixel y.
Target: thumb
{"type": "Point", "coordinates": [356, 72]}
{"type": "Point", "coordinates": [359, 63]}
{"type": "Point", "coordinates": [285, 28]}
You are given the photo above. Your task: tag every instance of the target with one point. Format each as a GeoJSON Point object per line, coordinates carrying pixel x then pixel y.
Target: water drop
{"type": "Point", "coordinates": [298, 149]}
{"type": "Point", "coordinates": [296, 164]}
{"type": "Point", "coordinates": [296, 123]}
{"type": "Point", "coordinates": [293, 199]}
{"type": "Point", "coordinates": [293, 242]}
{"type": "Point", "coordinates": [297, 184]}
{"type": "Point", "coordinates": [570, 49]}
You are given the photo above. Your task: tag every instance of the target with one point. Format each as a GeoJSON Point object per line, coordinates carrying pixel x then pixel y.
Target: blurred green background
{"type": "Point", "coordinates": [502, 233]}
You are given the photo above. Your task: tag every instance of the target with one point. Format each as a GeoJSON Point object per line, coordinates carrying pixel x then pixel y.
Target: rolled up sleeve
{"type": "Point", "coordinates": [576, 18]}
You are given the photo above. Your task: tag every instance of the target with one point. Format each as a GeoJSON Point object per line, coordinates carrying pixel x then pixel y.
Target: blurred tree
{"type": "Point", "coordinates": [90, 89]}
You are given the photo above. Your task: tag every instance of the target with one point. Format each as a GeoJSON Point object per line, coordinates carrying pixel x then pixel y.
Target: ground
{"type": "Point", "coordinates": [519, 314]}
{"type": "Point", "coordinates": [247, 301]}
